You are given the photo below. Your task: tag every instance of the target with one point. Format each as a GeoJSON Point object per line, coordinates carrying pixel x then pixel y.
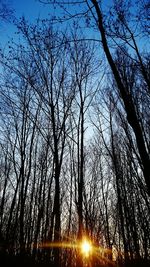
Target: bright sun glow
{"type": "Point", "coordinates": [86, 247]}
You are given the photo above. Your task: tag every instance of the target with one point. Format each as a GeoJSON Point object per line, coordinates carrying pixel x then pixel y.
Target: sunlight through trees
{"type": "Point", "coordinates": [75, 137]}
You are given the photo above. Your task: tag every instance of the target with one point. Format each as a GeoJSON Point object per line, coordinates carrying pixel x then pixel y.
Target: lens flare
{"type": "Point", "coordinates": [86, 247]}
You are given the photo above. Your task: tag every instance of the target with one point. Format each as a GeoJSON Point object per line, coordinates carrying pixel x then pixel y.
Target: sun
{"type": "Point", "coordinates": [86, 247]}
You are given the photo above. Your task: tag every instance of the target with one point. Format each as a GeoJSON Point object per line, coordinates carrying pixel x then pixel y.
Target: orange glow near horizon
{"type": "Point", "coordinates": [85, 247]}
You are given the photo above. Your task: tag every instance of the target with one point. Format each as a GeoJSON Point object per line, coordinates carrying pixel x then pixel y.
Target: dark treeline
{"type": "Point", "coordinates": [75, 140]}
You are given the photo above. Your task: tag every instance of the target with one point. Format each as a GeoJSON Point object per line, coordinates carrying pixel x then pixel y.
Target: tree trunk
{"type": "Point", "coordinates": [127, 100]}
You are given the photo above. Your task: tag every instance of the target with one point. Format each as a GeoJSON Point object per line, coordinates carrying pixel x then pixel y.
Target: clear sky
{"type": "Point", "coordinates": [31, 9]}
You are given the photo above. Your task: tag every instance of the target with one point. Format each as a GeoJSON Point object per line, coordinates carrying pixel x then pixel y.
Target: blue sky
{"type": "Point", "coordinates": [31, 9]}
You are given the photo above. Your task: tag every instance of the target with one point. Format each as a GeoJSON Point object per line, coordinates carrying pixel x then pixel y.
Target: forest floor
{"type": "Point", "coordinates": [7, 260]}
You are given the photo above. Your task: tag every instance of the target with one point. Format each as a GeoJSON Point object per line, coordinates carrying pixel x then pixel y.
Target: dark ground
{"type": "Point", "coordinates": [7, 260]}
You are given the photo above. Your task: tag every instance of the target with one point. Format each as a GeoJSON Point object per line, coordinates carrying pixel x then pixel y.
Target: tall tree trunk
{"type": "Point", "coordinates": [127, 100]}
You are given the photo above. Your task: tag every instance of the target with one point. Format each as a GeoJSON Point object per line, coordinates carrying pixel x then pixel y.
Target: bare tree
{"type": "Point", "coordinates": [6, 12]}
